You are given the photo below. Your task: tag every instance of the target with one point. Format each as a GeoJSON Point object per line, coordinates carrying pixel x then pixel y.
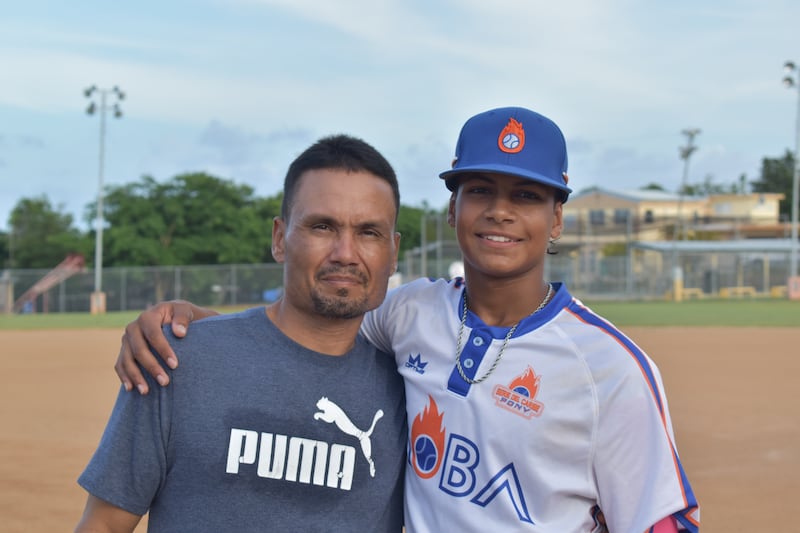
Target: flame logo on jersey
{"type": "Point", "coordinates": [519, 396]}
{"type": "Point", "coordinates": [512, 139]}
{"type": "Point", "coordinates": [427, 440]}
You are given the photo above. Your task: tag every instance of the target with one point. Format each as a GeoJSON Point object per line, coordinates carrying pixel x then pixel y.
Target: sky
{"type": "Point", "coordinates": [238, 88]}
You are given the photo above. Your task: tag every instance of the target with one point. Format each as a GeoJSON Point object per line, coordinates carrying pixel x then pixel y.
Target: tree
{"type": "Point", "coordinates": [707, 187]}
{"type": "Point", "coordinates": [5, 251]}
{"type": "Point", "coordinates": [776, 177]}
{"type": "Point", "coordinates": [741, 187]}
{"type": "Point", "coordinates": [409, 224]}
{"type": "Point", "coordinates": [42, 236]}
{"type": "Point", "coordinates": [266, 209]}
{"type": "Point", "coordinates": [191, 219]}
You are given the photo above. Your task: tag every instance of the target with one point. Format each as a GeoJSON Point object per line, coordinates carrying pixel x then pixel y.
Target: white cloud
{"type": "Point", "coordinates": [240, 86]}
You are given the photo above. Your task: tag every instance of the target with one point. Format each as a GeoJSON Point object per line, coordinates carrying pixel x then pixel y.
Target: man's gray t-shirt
{"type": "Point", "coordinates": [257, 433]}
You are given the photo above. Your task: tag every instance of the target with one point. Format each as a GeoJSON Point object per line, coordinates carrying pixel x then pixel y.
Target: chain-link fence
{"type": "Point", "coordinates": [135, 288]}
{"type": "Point", "coordinates": [647, 271]}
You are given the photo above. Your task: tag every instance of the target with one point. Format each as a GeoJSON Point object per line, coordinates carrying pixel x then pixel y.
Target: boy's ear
{"type": "Point", "coordinates": [451, 211]}
{"type": "Point", "coordinates": [558, 221]}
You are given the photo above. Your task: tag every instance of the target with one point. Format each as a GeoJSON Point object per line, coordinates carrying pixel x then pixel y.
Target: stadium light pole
{"type": "Point", "coordinates": [792, 80]}
{"type": "Point", "coordinates": [98, 301]}
{"type": "Point", "coordinates": [686, 152]}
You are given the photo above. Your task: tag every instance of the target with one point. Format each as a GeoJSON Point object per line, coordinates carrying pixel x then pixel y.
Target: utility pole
{"type": "Point", "coordinates": [685, 152]}
{"type": "Point", "coordinates": [677, 271]}
{"type": "Point", "coordinates": [792, 80]}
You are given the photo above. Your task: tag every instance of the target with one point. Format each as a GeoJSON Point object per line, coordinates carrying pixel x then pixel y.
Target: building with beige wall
{"type": "Point", "coordinates": [651, 215]}
{"type": "Point", "coordinates": [633, 242]}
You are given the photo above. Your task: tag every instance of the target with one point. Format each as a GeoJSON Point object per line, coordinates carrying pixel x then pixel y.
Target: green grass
{"type": "Point", "coordinates": [66, 320]}
{"type": "Point", "coordinates": [117, 319]}
{"type": "Point", "coordinates": [736, 313]}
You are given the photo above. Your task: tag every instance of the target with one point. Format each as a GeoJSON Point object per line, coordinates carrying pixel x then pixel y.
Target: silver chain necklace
{"type": "Point", "coordinates": [547, 296]}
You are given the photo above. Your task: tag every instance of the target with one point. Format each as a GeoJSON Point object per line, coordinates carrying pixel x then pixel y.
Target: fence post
{"type": "Point", "coordinates": [123, 289]}
{"type": "Point", "coordinates": [234, 288]}
{"type": "Point", "coordinates": [178, 287]}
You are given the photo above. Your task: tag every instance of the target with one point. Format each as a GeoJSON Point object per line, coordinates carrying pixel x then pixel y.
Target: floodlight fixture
{"type": "Point", "coordinates": [98, 297]}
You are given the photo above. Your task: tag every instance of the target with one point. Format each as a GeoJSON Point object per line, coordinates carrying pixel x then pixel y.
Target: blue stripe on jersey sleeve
{"type": "Point", "coordinates": [684, 516]}
{"type": "Point", "coordinates": [589, 317]}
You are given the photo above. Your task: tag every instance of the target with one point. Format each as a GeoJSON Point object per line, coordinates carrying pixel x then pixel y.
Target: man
{"type": "Point", "coordinates": [281, 418]}
{"type": "Point", "coordinates": [527, 411]}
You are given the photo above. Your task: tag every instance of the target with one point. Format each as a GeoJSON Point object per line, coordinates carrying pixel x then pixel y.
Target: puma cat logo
{"type": "Point", "coordinates": [331, 413]}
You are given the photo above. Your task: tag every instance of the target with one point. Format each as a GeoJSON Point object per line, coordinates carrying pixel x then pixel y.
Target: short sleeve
{"type": "Point", "coordinates": [130, 462]}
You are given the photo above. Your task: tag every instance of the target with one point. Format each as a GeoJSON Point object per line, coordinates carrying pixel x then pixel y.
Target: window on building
{"type": "Point", "coordinates": [621, 216]}
{"type": "Point", "coordinates": [723, 208]}
{"type": "Point", "coordinates": [597, 217]}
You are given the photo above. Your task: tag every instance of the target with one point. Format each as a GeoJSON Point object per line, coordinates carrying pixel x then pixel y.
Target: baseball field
{"type": "Point", "coordinates": [733, 392]}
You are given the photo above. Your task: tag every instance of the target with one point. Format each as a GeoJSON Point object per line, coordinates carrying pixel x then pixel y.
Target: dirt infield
{"type": "Point", "coordinates": [733, 398]}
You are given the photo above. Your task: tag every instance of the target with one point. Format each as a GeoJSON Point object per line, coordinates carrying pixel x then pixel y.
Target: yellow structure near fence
{"type": "Point", "coordinates": [693, 292]}
{"type": "Point", "coordinates": [737, 292]}
{"type": "Point", "coordinates": [689, 293]}
{"type": "Point", "coordinates": [778, 291]}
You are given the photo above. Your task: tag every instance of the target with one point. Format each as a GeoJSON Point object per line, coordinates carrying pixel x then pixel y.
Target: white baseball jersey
{"type": "Point", "coordinates": [572, 422]}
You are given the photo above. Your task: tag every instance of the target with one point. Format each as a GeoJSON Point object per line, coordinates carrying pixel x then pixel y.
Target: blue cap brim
{"type": "Point", "coordinates": [451, 176]}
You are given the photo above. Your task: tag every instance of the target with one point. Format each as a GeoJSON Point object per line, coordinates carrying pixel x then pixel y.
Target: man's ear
{"type": "Point", "coordinates": [278, 239]}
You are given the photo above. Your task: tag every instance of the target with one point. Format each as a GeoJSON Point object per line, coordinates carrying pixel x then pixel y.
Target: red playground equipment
{"type": "Point", "coordinates": [70, 266]}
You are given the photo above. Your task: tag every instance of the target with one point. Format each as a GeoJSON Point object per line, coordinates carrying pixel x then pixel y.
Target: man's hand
{"type": "Point", "coordinates": [145, 332]}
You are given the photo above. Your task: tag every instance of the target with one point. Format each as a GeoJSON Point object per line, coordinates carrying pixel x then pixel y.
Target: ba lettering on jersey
{"type": "Point", "coordinates": [451, 460]}
{"type": "Point", "coordinates": [301, 459]}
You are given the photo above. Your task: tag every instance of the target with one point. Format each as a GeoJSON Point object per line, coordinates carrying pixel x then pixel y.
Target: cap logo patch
{"type": "Point", "coordinates": [512, 139]}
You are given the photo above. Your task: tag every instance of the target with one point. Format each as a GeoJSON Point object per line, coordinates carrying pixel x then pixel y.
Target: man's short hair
{"type": "Point", "coordinates": [338, 152]}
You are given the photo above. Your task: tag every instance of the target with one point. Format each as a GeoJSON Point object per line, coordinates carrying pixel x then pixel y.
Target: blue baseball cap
{"type": "Point", "coordinates": [514, 141]}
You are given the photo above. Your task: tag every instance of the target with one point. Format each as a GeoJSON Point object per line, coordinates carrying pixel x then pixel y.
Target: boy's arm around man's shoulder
{"type": "Point", "coordinates": [146, 332]}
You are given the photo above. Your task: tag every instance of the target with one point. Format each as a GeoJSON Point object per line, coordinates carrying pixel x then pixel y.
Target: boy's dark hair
{"type": "Point", "coordinates": [338, 152]}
